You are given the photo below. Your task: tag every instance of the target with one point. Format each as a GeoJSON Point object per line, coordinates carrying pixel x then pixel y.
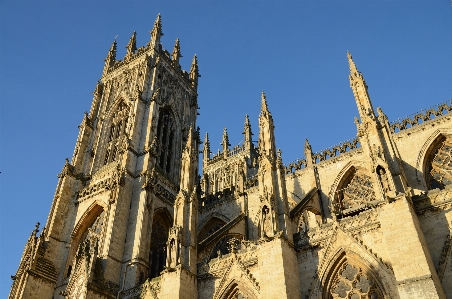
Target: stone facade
{"type": "Point", "coordinates": [131, 217]}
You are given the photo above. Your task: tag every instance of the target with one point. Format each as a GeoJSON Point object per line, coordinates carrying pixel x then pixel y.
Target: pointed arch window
{"type": "Point", "coordinates": [116, 133]}
{"type": "Point", "coordinates": [159, 237]}
{"type": "Point", "coordinates": [355, 193]}
{"type": "Point", "coordinates": [439, 165]}
{"type": "Point", "coordinates": [165, 136]}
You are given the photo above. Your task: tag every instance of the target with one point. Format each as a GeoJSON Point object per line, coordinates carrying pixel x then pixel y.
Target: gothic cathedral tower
{"type": "Point", "coordinates": [110, 220]}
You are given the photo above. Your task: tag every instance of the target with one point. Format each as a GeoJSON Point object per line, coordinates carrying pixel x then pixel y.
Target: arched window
{"type": "Point", "coordinates": [350, 278]}
{"type": "Point", "coordinates": [93, 231]}
{"type": "Point", "coordinates": [355, 192]}
{"type": "Point", "coordinates": [210, 227]}
{"type": "Point", "coordinates": [159, 237]}
{"type": "Point", "coordinates": [117, 130]}
{"type": "Point", "coordinates": [438, 169]}
{"type": "Point", "coordinates": [165, 136]}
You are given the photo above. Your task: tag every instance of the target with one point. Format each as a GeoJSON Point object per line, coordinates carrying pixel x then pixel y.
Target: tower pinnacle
{"type": "Point", "coordinates": [247, 132]}
{"type": "Point", "coordinates": [176, 51]}
{"type": "Point", "coordinates": [359, 88]}
{"type": "Point", "coordinates": [132, 45]}
{"type": "Point", "coordinates": [194, 72]}
{"type": "Point", "coordinates": [111, 57]}
{"type": "Point", "coordinates": [156, 32]}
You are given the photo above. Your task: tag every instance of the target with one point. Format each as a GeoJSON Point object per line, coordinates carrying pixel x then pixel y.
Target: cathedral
{"type": "Point", "coordinates": [134, 217]}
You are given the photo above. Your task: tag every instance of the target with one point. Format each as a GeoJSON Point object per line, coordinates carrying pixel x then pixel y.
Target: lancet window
{"type": "Point", "coordinates": [165, 135]}
{"type": "Point", "coordinates": [159, 237]}
{"type": "Point", "coordinates": [439, 165]}
{"type": "Point", "coordinates": [116, 132]}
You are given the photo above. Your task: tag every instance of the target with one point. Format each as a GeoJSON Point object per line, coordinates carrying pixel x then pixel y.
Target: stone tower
{"type": "Point", "coordinates": [136, 154]}
{"type": "Point", "coordinates": [369, 218]}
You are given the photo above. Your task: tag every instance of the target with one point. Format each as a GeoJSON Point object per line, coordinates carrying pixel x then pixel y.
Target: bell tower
{"type": "Point", "coordinates": [114, 204]}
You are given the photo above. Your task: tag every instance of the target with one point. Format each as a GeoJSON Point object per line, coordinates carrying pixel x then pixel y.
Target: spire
{"type": "Point", "coordinates": [266, 130]}
{"type": "Point", "coordinates": [156, 32]}
{"type": "Point", "coordinates": [206, 150]}
{"type": "Point", "coordinates": [264, 106]}
{"type": "Point", "coordinates": [132, 45]}
{"type": "Point", "coordinates": [359, 88]}
{"type": "Point", "coordinates": [308, 153]}
{"type": "Point", "coordinates": [111, 57]}
{"type": "Point", "coordinates": [247, 132]}
{"type": "Point", "coordinates": [194, 72]}
{"type": "Point", "coordinates": [225, 143]}
{"type": "Point", "coordinates": [176, 51]}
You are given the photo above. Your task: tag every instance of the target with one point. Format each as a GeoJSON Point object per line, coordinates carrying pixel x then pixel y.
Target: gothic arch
{"type": "Point", "coordinates": [114, 131]}
{"type": "Point", "coordinates": [94, 210]}
{"type": "Point", "coordinates": [168, 132]}
{"type": "Point", "coordinates": [352, 191]}
{"type": "Point", "coordinates": [208, 221]}
{"type": "Point", "coordinates": [427, 154]}
{"type": "Point", "coordinates": [237, 289]}
{"type": "Point", "coordinates": [95, 219]}
{"type": "Point", "coordinates": [161, 223]}
{"type": "Point", "coordinates": [348, 276]}
{"type": "Point", "coordinates": [222, 245]}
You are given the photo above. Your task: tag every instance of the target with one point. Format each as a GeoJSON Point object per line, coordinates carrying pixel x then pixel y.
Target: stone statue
{"type": "Point", "coordinates": [384, 180]}
{"type": "Point", "coordinates": [267, 223]}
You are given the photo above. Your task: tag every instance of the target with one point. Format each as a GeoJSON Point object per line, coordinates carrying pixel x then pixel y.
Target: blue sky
{"type": "Point", "coordinates": [52, 55]}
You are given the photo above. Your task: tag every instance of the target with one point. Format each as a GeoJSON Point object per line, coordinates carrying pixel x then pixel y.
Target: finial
{"type": "Point", "coordinates": [36, 230]}
{"type": "Point", "coordinates": [264, 106]}
{"type": "Point", "coordinates": [176, 51]}
{"type": "Point", "coordinates": [307, 145]}
{"type": "Point", "coordinates": [247, 120]}
{"type": "Point", "coordinates": [225, 141]}
{"type": "Point", "coordinates": [206, 139]}
{"type": "Point", "coordinates": [132, 45]}
{"type": "Point", "coordinates": [156, 32]}
{"type": "Point", "coordinates": [194, 71]}
{"type": "Point", "coordinates": [351, 64]}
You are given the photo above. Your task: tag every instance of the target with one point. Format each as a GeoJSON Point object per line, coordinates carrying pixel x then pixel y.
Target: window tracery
{"type": "Point", "coordinates": [350, 281]}
{"type": "Point", "coordinates": [117, 130]}
{"type": "Point", "coordinates": [165, 137]}
{"type": "Point", "coordinates": [439, 165]}
{"type": "Point", "coordinates": [356, 193]}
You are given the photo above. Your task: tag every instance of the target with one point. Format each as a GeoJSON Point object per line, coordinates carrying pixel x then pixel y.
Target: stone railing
{"type": "Point", "coordinates": [211, 199]}
{"type": "Point", "coordinates": [326, 154]}
{"type": "Point", "coordinates": [236, 149]}
{"type": "Point", "coordinates": [421, 117]}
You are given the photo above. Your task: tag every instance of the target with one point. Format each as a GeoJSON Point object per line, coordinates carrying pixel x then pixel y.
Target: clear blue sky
{"type": "Point", "coordinates": [52, 55]}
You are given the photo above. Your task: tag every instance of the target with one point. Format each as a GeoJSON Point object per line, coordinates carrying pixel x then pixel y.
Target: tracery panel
{"type": "Point", "coordinates": [439, 165]}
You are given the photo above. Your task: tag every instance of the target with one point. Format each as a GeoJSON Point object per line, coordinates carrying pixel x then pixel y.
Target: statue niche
{"type": "Point", "coordinates": [384, 180]}
{"type": "Point", "coordinates": [267, 227]}
{"type": "Point", "coordinates": [173, 248]}
{"type": "Point", "coordinates": [158, 248]}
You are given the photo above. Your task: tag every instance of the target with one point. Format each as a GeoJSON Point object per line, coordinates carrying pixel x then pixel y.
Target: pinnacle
{"type": "Point", "coordinates": [351, 63]}
{"type": "Point", "coordinates": [264, 106]}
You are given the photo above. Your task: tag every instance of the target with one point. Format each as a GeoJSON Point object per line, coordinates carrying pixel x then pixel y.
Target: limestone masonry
{"type": "Point", "coordinates": [131, 218]}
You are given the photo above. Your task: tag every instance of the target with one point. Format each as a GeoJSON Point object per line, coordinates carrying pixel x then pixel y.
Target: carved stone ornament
{"type": "Point", "coordinates": [351, 282]}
